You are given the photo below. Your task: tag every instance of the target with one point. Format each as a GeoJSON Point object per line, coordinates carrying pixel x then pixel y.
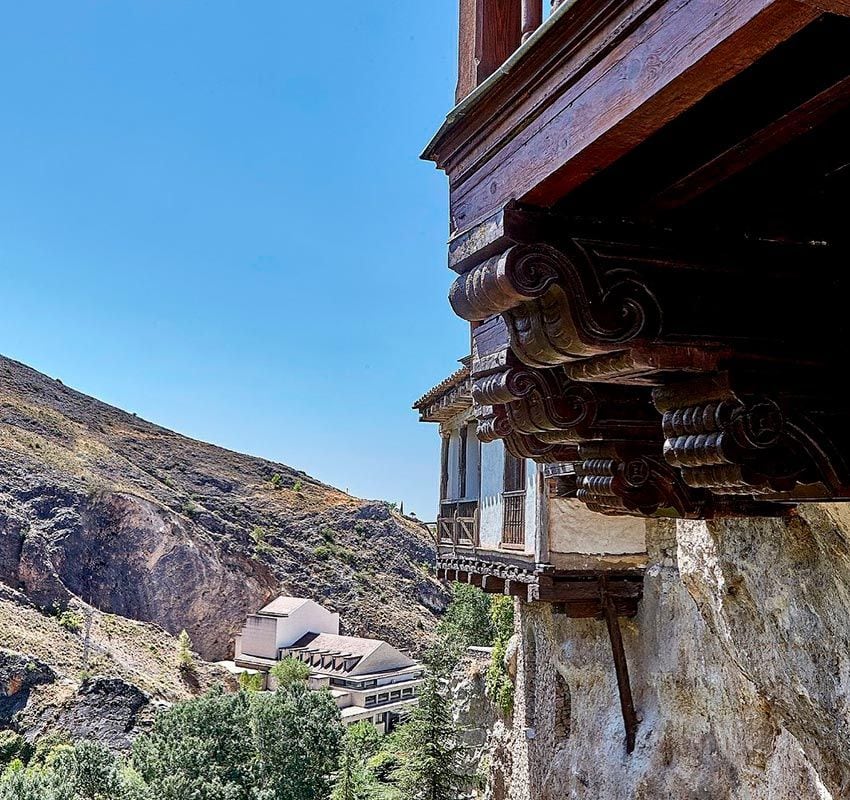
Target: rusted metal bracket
{"type": "Point", "coordinates": [627, 705]}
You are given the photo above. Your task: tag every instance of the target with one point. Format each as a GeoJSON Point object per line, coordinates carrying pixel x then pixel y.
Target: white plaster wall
{"type": "Point", "coordinates": [258, 637]}
{"type": "Point", "coordinates": [490, 502]}
{"type": "Point", "coordinates": [532, 517]}
{"type": "Point", "coordinates": [573, 528]}
{"type": "Point", "coordinates": [309, 618]}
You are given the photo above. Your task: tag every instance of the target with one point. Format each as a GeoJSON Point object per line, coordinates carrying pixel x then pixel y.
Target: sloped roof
{"type": "Point", "coordinates": [283, 606]}
{"type": "Point", "coordinates": [336, 645]}
{"type": "Point", "coordinates": [456, 378]}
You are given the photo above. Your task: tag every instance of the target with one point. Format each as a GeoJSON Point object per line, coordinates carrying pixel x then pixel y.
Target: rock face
{"type": "Point", "coordinates": [739, 668]}
{"type": "Point", "coordinates": [107, 710]}
{"type": "Point", "coordinates": [136, 520]}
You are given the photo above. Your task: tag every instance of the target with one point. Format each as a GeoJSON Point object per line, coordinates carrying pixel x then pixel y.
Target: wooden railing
{"type": "Point", "coordinates": [513, 516]}
{"type": "Point", "coordinates": [490, 31]}
{"type": "Point", "coordinates": [458, 523]}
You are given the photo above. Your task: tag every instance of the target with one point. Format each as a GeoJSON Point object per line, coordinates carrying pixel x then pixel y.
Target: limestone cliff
{"type": "Point", "coordinates": [740, 669]}
{"type": "Point", "coordinates": [136, 520]}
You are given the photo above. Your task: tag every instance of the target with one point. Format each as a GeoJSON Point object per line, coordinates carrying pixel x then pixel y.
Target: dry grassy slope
{"type": "Point", "coordinates": [142, 522]}
{"type": "Point", "coordinates": [138, 652]}
{"type": "Point", "coordinates": [103, 681]}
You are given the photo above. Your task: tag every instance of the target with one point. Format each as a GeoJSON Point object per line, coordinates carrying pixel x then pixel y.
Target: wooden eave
{"type": "Point", "coordinates": [448, 398]}
{"type": "Point", "coordinates": [594, 82]}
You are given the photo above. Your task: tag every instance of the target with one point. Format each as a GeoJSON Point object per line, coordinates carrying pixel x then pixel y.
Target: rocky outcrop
{"type": "Point", "coordinates": [738, 661]}
{"type": "Point", "coordinates": [136, 520]}
{"type": "Point", "coordinates": [477, 718]}
{"type": "Point", "coordinates": [107, 710]}
{"type": "Point", "coordinates": [19, 676]}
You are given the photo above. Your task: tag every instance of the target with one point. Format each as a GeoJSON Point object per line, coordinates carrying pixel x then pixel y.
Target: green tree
{"type": "Point", "coordinates": [251, 682]}
{"type": "Point", "coordinates": [12, 746]}
{"type": "Point", "coordinates": [184, 651]}
{"type": "Point", "coordinates": [502, 616]}
{"type": "Point", "coordinates": [20, 783]}
{"type": "Point", "coordinates": [88, 771]}
{"type": "Point", "coordinates": [290, 671]}
{"type": "Point", "coordinates": [430, 751]}
{"type": "Point", "coordinates": [497, 684]}
{"type": "Point", "coordinates": [467, 619]}
{"type": "Point", "coordinates": [355, 780]}
{"type": "Point", "coordinates": [297, 736]}
{"type": "Point", "coordinates": [199, 749]}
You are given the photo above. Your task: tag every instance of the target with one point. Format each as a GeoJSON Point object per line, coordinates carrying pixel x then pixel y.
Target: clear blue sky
{"type": "Point", "coordinates": [213, 214]}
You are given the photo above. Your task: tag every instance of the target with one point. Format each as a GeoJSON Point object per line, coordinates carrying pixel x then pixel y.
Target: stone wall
{"type": "Point", "coordinates": [740, 669]}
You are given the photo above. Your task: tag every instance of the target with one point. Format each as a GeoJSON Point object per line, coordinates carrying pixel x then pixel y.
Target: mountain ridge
{"type": "Point", "coordinates": [99, 504]}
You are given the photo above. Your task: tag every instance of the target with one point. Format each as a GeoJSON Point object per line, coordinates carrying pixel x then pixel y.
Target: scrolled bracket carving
{"type": "Point", "coordinates": [742, 442]}
{"type": "Point", "coordinates": [618, 480]}
{"type": "Point", "coordinates": [558, 306]}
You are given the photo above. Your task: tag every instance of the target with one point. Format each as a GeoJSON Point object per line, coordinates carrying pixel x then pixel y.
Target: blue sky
{"type": "Point", "coordinates": [213, 214]}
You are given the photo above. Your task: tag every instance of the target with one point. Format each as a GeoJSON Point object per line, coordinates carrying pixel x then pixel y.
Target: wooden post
{"type": "Point", "coordinates": [532, 17]}
{"type": "Point", "coordinates": [627, 705]}
{"type": "Point", "coordinates": [490, 30]}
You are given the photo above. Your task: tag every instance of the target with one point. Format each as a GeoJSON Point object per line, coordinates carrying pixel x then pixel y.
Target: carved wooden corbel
{"type": "Point", "coordinates": [556, 305]}
{"type": "Point", "coordinates": [725, 435]}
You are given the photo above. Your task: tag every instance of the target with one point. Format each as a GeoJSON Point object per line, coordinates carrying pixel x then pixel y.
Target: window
{"type": "Point", "coordinates": [513, 502]}
{"type": "Point", "coordinates": [370, 701]}
{"type": "Point", "coordinates": [383, 697]}
{"type": "Point", "coordinates": [514, 473]}
{"type": "Point", "coordinates": [407, 692]}
{"type": "Point", "coordinates": [395, 695]}
{"type": "Point", "coordinates": [461, 462]}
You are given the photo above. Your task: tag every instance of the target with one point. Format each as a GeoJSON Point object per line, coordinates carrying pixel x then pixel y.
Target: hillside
{"type": "Point", "coordinates": [102, 680]}
{"type": "Point", "coordinates": [139, 521]}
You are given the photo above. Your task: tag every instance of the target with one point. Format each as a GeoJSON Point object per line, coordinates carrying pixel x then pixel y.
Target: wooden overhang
{"type": "Point", "coordinates": [648, 218]}
{"type": "Point", "coordinates": [602, 76]}
{"type": "Point", "coordinates": [448, 398]}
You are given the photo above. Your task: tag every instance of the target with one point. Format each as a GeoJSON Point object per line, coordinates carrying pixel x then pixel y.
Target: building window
{"type": "Point", "coordinates": [407, 692]}
{"type": "Point", "coordinates": [395, 695]}
{"type": "Point", "coordinates": [370, 701]}
{"type": "Point", "coordinates": [513, 502]}
{"type": "Point", "coordinates": [383, 697]}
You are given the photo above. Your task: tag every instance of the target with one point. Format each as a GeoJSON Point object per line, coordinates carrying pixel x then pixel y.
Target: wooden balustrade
{"type": "Point", "coordinates": [458, 523]}
{"type": "Point", "coordinates": [490, 31]}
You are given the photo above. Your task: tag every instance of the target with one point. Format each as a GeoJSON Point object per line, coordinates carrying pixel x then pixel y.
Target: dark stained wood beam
{"type": "Point", "coordinates": [755, 147]}
{"type": "Point", "coordinates": [841, 7]}
{"type": "Point", "coordinates": [644, 79]}
{"type": "Point", "coordinates": [627, 706]}
{"type": "Point", "coordinates": [489, 33]}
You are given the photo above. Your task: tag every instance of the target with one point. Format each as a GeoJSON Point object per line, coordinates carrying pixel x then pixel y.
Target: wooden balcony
{"type": "Point", "coordinates": [647, 215]}
{"type": "Point", "coordinates": [546, 106]}
{"type": "Point", "coordinates": [457, 525]}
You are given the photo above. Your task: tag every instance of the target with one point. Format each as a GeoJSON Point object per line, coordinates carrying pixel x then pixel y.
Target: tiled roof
{"type": "Point", "coordinates": [335, 645]}
{"type": "Point", "coordinates": [457, 377]}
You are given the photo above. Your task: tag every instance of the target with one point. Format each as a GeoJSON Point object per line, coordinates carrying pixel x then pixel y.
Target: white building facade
{"type": "Point", "coordinates": [369, 679]}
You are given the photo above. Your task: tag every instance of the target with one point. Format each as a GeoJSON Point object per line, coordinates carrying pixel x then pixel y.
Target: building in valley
{"type": "Point", "coordinates": [369, 679]}
{"type": "Point", "coordinates": [647, 205]}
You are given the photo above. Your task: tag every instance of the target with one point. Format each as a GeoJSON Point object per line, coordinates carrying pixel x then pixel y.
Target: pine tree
{"type": "Point", "coordinates": [430, 750]}
{"type": "Point", "coordinates": [354, 780]}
